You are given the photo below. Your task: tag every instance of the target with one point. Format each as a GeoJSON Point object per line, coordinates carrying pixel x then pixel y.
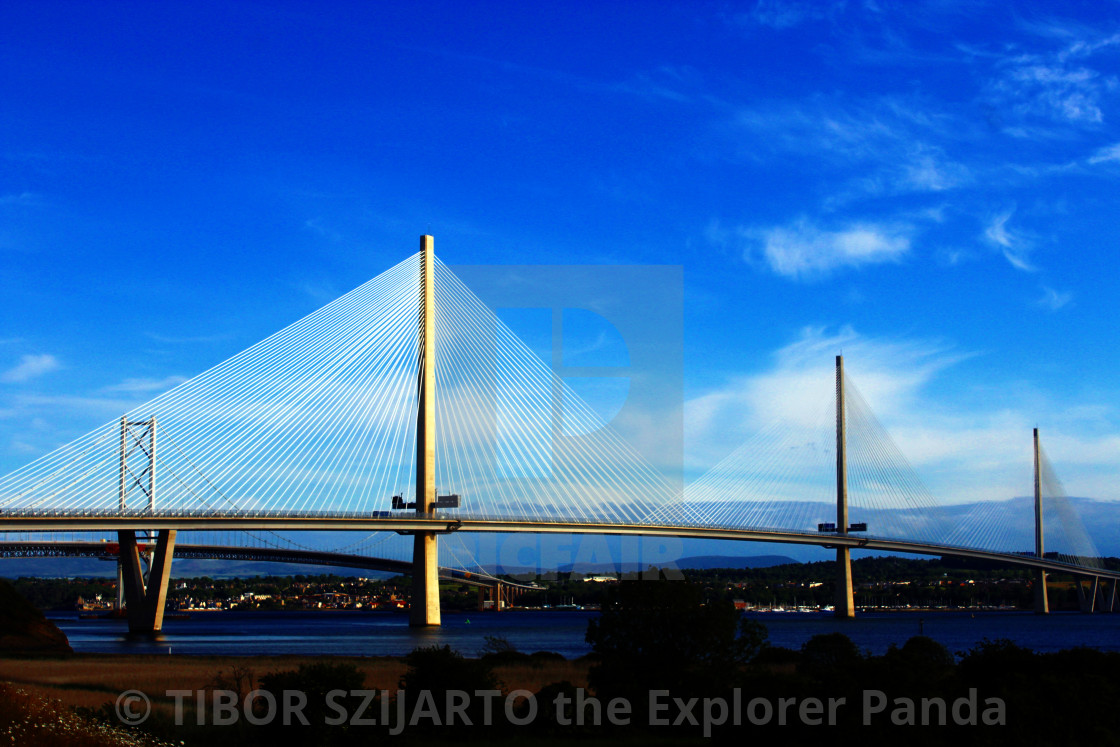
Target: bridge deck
{"type": "Point", "coordinates": [108, 551]}
{"type": "Point", "coordinates": [27, 521]}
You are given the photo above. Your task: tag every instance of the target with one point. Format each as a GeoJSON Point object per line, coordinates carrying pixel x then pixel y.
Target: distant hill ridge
{"type": "Point", "coordinates": [706, 562]}
{"type": "Point", "coordinates": [695, 562]}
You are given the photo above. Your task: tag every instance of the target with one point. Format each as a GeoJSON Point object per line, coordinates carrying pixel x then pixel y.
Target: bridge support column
{"type": "Point", "coordinates": [1084, 601]}
{"type": "Point", "coordinates": [120, 587]}
{"type": "Point", "coordinates": [424, 609]}
{"type": "Point", "coordinates": [1041, 598]}
{"type": "Point", "coordinates": [1088, 602]}
{"type": "Point", "coordinates": [144, 602]}
{"type": "Point", "coordinates": [844, 604]}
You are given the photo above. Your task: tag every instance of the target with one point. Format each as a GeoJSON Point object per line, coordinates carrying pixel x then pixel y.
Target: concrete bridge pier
{"type": "Point", "coordinates": [844, 605]}
{"type": "Point", "coordinates": [1086, 603]}
{"type": "Point", "coordinates": [145, 600]}
{"type": "Point", "coordinates": [424, 608]}
{"type": "Point", "coordinates": [1041, 598]}
{"type": "Point", "coordinates": [499, 597]}
{"type": "Point", "coordinates": [1095, 600]}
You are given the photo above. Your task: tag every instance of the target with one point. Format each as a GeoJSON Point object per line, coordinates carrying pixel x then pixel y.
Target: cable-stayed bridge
{"type": "Point", "coordinates": [406, 408]}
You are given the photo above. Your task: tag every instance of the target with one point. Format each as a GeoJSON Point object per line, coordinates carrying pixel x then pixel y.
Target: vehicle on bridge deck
{"type": "Point", "coordinates": [442, 501]}
{"type": "Point", "coordinates": [830, 527]}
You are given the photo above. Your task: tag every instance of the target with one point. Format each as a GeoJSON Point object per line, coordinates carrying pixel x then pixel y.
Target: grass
{"type": "Point", "coordinates": [31, 719]}
{"type": "Point", "coordinates": [92, 680]}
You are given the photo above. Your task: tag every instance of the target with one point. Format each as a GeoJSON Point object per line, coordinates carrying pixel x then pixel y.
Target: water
{"type": "Point", "coordinates": [387, 634]}
{"type": "Point", "coordinates": [333, 633]}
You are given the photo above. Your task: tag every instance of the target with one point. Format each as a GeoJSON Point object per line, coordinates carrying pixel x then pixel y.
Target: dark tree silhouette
{"type": "Point", "coordinates": [661, 635]}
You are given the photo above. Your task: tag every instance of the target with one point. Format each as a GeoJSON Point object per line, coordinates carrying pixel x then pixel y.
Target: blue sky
{"type": "Point", "coordinates": [930, 187]}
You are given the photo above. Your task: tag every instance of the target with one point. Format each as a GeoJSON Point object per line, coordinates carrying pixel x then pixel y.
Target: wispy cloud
{"type": "Point", "coordinates": [97, 408]}
{"type": "Point", "coordinates": [321, 291]}
{"type": "Point", "coordinates": [171, 340]}
{"type": "Point", "coordinates": [785, 14]}
{"type": "Point", "coordinates": [838, 130]}
{"type": "Point", "coordinates": [895, 144]}
{"type": "Point", "coordinates": [1086, 47]}
{"type": "Point", "coordinates": [140, 385]}
{"type": "Point", "coordinates": [30, 367]}
{"type": "Point", "coordinates": [315, 225]}
{"type": "Point", "coordinates": [796, 385]}
{"type": "Point", "coordinates": [927, 173]}
{"type": "Point", "coordinates": [25, 199]}
{"type": "Point", "coordinates": [1108, 153]}
{"type": "Point", "coordinates": [1014, 246]}
{"type": "Point", "coordinates": [951, 256]}
{"type": "Point", "coordinates": [1053, 300]}
{"type": "Point", "coordinates": [970, 445]}
{"type": "Point", "coordinates": [805, 251]}
{"type": "Point", "coordinates": [1059, 86]}
{"type": "Point", "coordinates": [667, 83]}
{"type": "Point", "coordinates": [1072, 95]}
{"type": "Point", "coordinates": [22, 447]}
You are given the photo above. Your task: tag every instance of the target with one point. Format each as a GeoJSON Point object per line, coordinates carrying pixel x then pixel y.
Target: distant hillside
{"type": "Point", "coordinates": [698, 562]}
{"type": "Point", "coordinates": [1009, 521]}
{"type": "Point", "coordinates": [93, 568]}
{"type": "Point", "coordinates": [707, 562]}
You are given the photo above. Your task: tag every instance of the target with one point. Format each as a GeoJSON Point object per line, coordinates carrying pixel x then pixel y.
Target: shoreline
{"type": "Point", "coordinates": [185, 614]}
{"type": "Point", "coordinates": [92, 680]}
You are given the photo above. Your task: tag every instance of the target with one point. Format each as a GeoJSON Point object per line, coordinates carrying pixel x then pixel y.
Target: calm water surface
{"type": "Point", "coordinates": [387, 634]}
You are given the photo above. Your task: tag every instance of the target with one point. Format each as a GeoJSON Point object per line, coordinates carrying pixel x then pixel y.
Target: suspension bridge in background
{"type": "Point", "coordinates": [407, 414]}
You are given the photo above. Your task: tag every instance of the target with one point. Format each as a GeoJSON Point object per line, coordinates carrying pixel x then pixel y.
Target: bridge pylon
{"type": "Point", "coordinates": [143, 597]}
{"type": "Point", "coordinates": [424, 609]}
{"type": "Point", "coordinates": [1041, 598]}
{"type": "Point", "coordinates": [844, 604]}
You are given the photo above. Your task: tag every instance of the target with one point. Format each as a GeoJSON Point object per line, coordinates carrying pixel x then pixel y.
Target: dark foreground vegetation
{"type": "Point", "coordinates": [23, 628]}
{"type": "Point", "coordinates": [670, 666]}
{"type": "Point", "coordinates": [27, 719]}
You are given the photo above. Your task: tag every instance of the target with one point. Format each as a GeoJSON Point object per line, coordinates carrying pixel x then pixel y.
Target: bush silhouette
{"type": "Point", "coordinates": [830, 656]}
{"type": "Point", "coordinates": [314, 681]}
{"type": "Point", "coordinates": [660, 635]}
{"type": "Point", "coordinates": [438, 671]}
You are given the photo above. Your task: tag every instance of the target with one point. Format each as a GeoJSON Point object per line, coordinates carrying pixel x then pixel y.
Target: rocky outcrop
{"type": "Point", "coordinates": [24, 629]}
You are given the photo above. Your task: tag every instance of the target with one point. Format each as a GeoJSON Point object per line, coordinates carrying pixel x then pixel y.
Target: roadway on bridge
{"type": "Point", "coordinates": [411, 523]}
